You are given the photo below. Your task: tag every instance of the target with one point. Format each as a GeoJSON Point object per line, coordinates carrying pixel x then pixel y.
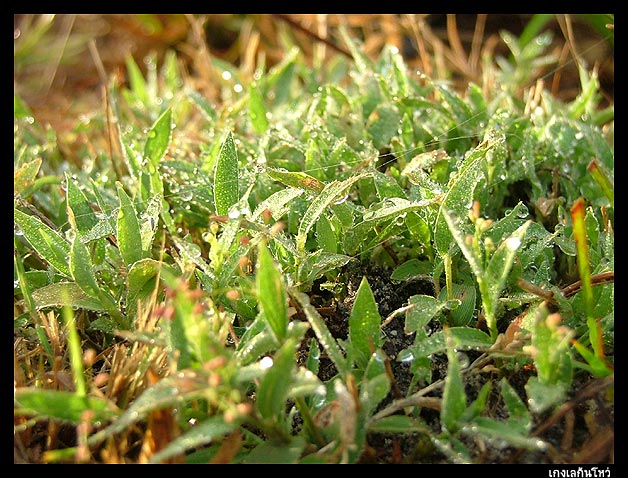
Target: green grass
{"type": "Point", "coordinates": [209, 284]}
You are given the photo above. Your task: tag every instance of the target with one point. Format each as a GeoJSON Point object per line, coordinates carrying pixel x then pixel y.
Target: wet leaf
{"type": "Point", "coordinates": [226, 192]}
{"type": "Point", "coordinates": [275, 453]}
{"type": "Point", "coordinates": [274, 386]}
{"type": "Point", "coordinates": [365, 332]}
{"type": "Point", "coordinates": [332, 192]}
{"type": "Point", "coordinates": [25, 175]}
{"type": "Point", "coordinates": [454, 396]}
{"type": "Point", "coordinates": [82, 269]}
{"type": "Point", "coordinates": [277, 203]}
{"type": "Point", "coordinates": [49, 244]}
{"type": "Point", "coordinates": [271, 293]}
{"type": "Point", "coordinates": [207, 431]}
{"type": "Point", "coordinates": [155, 148]}
{"type": "Point", "coordinates": [257, 109]}
{"type": "Point", "coordinates": [128, 229]}
{"type": "Point", "coordinates": [422, 309]}
{"type": "Point", "coordinates": [60, 405]}
{"type": "Point", "coordinates": [460, 192]}
{"type": "Point", "coordinates": [323, 334]}
{"type": "Point", "coordinates": [65, 293]}
{"type": "Point", "coordinates": [80, 214]}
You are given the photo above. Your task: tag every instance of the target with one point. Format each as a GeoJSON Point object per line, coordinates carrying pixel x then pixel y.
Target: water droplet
{"type": "Point", "coordinates": [463, 360]}
{"type": "Point", "coordinates": [238, 88]}
{"type": "Point", "coordinates": [226, 75]}
{"type": "Point", "coordinates": [186, 195]}
{"type": "Point", "coordinates": [341, 200]}
{"type": "Point", "coordinates": [266, 363]}
{"type": "Point", "coordinates": [513, 243]}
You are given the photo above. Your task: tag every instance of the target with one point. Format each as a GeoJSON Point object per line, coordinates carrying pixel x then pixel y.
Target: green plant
{"type": "Point", "coordinates": [219, 261]}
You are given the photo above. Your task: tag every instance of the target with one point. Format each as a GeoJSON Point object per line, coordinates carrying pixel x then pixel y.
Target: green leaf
{"type": "Point", "coordinates": [390, 208]}
{"type": "Point", "coordinates": [296, 179]}
{"type": "Point", "coordinates": [460, 189]}
{"type": "Point", "coordinates": [128, 229]}
{"type": "Point", "coordinates": [226, 177]}
{"type": "Point", "coordinates": [61, 294]}
{"type": "Point", "coordinates": [422, 309]}
{"type": "Point", "coordinates": [519, 415]}
{"type": "Point", "coordinates": [325, 235]}
{"type": "Point", "coordinates": [155, 148]}
{"type": "Point", "coordinates": [454, 396]}
{"type": "Point", "coordinates": [365, 332]}
{"type": "Point", "coordinates": [495, 430]}
{"type": "Point", "coordinates": [387, 187]}
{"type": "Point", "coordinates": [376, 384]}
{"type": "Point", "coordinates": [501, 263]}
{"type": "Point", "coordinates": [412, 269]}
{"type": "Point", "coordinates": [398, 424]}
{"type": "Point", "coordinates": [464, 338]}
{"type": "Point", "coordinates": [332, 192]}
{"type": "Point", "coordinates": [318, 263]}
{"type": "Point", "coordinates": [271, 293]}
{"type": "Point", "coordinates": [82, 269]}
{"type": "Point", "coordinates": [277, 203]}
{"type": "Point", "coordinates": [203, 105]}
{"type": "Point", "coordinates": [257, 110]}
{"type": "Point", "coordinates": [542, 396]}
{"type": "Point", "coordinates": [274, 453]}
{"type": "Point", "coordinates": [80, 214]}
{"type": "Point", "coordinates": [141, 281]}
{"type": "Point", "coordinates": [60, 405]}
{"type": "Point", "coordinates": [256, 341]}
{"type": "Point", "coordinates": [457, 232]}
{"type": "Point", "coordinates": [203, 433]}
{"type": "Point", "coordinates": [25, 175]}
{"type": "Point", "coordinates": [149, 220]}
{"type": "Point", "coordinates": [49, 244]}
{"type": "Point", "coordinates": [322, 332]}
{"type": "Point", "coordinates": [272, 391]}
{"type": "Point", "coordinates": [137, 81]}
{"type": "Point", "coordinates": [465, 294]}
{"type": "Point", "coordinates": [170, 391]}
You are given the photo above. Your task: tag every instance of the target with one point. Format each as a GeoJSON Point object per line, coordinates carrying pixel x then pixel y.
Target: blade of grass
{"type": "Point", "coordinates": [584, 271]}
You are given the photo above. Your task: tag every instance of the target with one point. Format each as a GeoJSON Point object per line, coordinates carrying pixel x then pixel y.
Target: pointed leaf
{"type": "Point", "coordinates": [226, 177]}
{"type": "Point", "coordinates": [318, 263]}
{"type": "Point", "coordinates": [257, 110]}
{"type": "Point", "coordinates": [332, 192]}
{"type": "Point", "coordinates": [82, 268]}
{"type": "Point", "coordinates": [296, 179]}
{"type": "Point", "coordinates": [272, 391]}
{"type": "Point", "coordinates": [365, 333]}
{"type": "Point", "coordinates": [65, 294]}
{"type": "Point", "coordinates": [80, 214]}
{"type": "Point", "coordinates": [501, 262]}
{"type": "Point", "coordinates": [519, 415]}
{"type": "Point", "coordinates": [60, 405]}
{"type": "Point", "coordinates": [128, 229]}
{"type": "Point", "coordinates": [25, 175]}
{"type": "Point", "coordinates": [271, 293]}
{"type": "Point", "coordinates": [454, 396]}
{"type": "Point", "coordinates": [49, 244]}
{"type": "Point", "coordinates": [277, 203]}
{"type": "Point", "coordinates": [207, 431]}
{"type": "Point", "coordinates": [276, 453]}
{"type": "Point", "coordinates": [323, 334]}
{"type": "Point", "coordinates": [460, 191]}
